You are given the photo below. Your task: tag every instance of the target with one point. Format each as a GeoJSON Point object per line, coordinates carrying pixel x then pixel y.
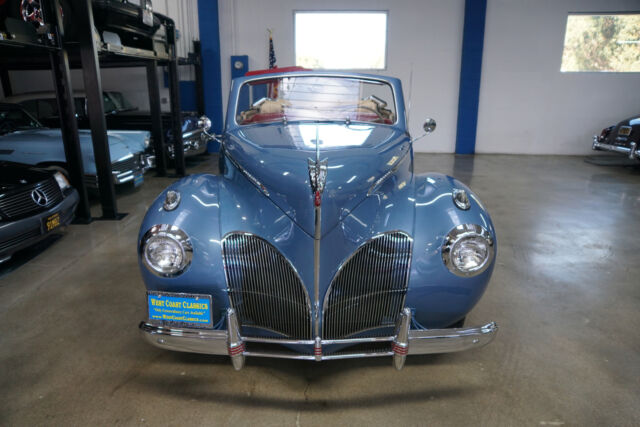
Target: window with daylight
{"type": "Point", "coordinates": [606, 42]}
{"type": "Point", "coordinates": [341, 40]}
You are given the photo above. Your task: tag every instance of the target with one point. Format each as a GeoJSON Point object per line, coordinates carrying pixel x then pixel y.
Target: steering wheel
{"type": "Point", "coordinates": [363, 107]}
{"type": "Point", "coordinates": [379, 102]}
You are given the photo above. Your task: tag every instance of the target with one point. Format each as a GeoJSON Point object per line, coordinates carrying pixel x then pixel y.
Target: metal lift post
{"type": "Point", "coordinates": [95, 107]}
{"type": "Point", "coordinates": [174, 94]}
{"type": "Point", "coordinates": [156, 118]}
{"type": "Point", "coordinates": [197, 51]}
{"type": "Point", "coordinates": [66, 110]}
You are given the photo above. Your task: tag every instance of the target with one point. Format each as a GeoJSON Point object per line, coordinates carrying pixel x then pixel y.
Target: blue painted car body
{"type": "Point", "coordinates": [39, 145]}
{"type": "Point", "coordinates": [276, 155]}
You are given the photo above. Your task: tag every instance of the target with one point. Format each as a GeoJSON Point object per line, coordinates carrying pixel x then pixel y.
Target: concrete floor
{"type": "Point", "coordinates": [565, 293]}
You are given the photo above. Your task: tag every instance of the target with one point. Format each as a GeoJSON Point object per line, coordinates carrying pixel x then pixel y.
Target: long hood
{"type": "Point", "coordinates": [43, 142]}
{"type": "Point", "coordinates": [278, 157]}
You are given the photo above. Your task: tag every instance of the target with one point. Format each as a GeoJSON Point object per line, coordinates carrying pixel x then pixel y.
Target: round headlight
{"type": "Point", "coordinates": [166, 250]}
{"type": "Point", "coordinates": [468, 250]}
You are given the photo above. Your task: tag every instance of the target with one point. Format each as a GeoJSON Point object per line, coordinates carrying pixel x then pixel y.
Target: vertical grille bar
{"type": "Point", "coordinates": [264, 289]}
{"type": "Point", "coordinates": [369, 289]}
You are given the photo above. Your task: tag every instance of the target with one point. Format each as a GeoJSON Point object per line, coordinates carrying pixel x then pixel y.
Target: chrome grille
{"type": "Point", "coordinates": [264, 289]}
{"type": "Point", "coordinates": [131, 164]}
{"type": "Point", "coordinates": [21, 204]}
{"type": "Point", "coordinates": [369, 289]}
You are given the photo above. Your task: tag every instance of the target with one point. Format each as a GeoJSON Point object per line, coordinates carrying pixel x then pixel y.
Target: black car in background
{"type": "Point", "coordinates": [123, 25]}
{"type": "Point", "coordinates": [623, 138]}
{"type": "Point", "coordinates": [34, 202]}
{"type": "Point", "coordinates": [122, 115]}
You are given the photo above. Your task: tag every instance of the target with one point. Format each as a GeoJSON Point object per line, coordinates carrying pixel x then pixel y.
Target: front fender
{"type": "Point", "coordinates": [439, 297]}
{"type": "Point", "coordinates": [198, 215]}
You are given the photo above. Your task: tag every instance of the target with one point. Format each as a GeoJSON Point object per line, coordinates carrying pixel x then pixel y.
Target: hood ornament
{"type": "Point", "coordinates": [317, 172]}
{"type": "Point", "coordinates": [317, 177]}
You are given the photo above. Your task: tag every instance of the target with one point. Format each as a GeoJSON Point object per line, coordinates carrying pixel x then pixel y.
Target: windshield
{"type": "Point", "coordinates": [14, 118]}
{"type": "Point", "coordinates": [315, 98]}
{"type": "Point", "coordinates": [119, 102]}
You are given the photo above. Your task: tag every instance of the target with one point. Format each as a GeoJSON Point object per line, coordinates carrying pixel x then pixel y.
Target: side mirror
{"type": "Point", "coordinates": [429, 125]}
{"type": "Point", "coordinates": [204, 122]}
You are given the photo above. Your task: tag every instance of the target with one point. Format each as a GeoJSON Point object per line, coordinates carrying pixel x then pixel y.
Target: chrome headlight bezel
{"type": "Point", "coordinates": [457, 236]}
{"type": "Point", "coordinates": [178, 238]}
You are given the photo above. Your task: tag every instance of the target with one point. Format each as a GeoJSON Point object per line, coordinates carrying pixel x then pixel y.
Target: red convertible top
{"type": "Point", "coordinates": [276, 70]}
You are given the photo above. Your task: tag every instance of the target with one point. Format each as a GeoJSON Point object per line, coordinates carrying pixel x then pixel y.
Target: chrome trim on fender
{"type": "Point", "coordinates": [171, 200]}
{"type": "Point", "coordinates": [461, 199]}
{"type": "Point", "coordinates": [246, 173]}
{"type": "Point", "coordinates": [386, 175]}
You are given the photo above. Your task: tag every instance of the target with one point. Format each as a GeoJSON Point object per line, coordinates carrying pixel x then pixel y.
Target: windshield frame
{"type": "Point", "coordinates": [311, 74]}
{"type": "Point", "coordinates": [24, 110]}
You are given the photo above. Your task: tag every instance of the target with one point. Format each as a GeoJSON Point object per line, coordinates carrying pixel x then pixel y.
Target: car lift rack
{"type": "Point", "coordinates": [23, 49]}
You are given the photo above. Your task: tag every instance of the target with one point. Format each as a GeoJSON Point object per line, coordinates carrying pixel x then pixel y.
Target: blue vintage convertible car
{"type": "Point", "coordinates": [317, 241]}
{"type": "Point", "coordinates": [23, 139]}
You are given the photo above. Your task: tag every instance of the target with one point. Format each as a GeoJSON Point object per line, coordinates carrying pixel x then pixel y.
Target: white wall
{"type": "Point", "coordinates": [425, 35]}
{"type": "Point", "coordinates": [526, 104]}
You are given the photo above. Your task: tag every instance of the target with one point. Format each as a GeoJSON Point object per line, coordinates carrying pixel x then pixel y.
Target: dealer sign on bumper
{"type": "Point", "coordinates": [180, 309]}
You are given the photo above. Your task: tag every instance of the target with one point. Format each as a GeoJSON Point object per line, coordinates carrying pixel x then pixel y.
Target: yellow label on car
{"type": "Point", "coordinates": [624, 130]}
{"type": "Point", "coordinates": [52, 222]}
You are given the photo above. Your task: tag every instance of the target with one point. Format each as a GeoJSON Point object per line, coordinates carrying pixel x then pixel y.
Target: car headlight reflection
{"type": "Point", "coordinates": [468, 250]}
{"type": "Point", "coordinates": [166, 250]}
{"type": "Point", "coordinates": [62, 180]}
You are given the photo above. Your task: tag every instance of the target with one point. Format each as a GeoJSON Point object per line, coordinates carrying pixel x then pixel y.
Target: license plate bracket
{"type": "Point", "coordinates": [180, 309]}
{"type": "Point", "coordinates": [138, 179]}
{"type": "Point", "coordinates": [51, 222]}
{"type": "Point", "coordinates": [624, 131]}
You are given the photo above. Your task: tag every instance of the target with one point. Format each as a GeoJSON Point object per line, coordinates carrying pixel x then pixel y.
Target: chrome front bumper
{"type": "Point", "coordinates": [404, 342]}
{"type": "Point", "coordinates": [193, 143]}
{"type": "Point", "coordinates": [91, 181]}
{"type": "Point", "coordinates": [632, 152]}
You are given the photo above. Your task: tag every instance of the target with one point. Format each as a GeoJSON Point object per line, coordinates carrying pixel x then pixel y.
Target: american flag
{"type": "Point", "coordinates": [272, 53]}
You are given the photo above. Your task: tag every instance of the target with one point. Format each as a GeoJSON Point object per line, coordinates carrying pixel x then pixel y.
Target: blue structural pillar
{"type": "Point", "coordinates": [470, 72]}
{"type": "Point", "coordinates": [211, 72]}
